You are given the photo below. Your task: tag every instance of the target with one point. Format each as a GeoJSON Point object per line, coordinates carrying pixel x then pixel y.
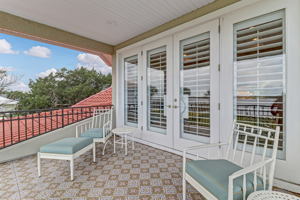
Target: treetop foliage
{"type": "Point", "coordinates": [64, 88]}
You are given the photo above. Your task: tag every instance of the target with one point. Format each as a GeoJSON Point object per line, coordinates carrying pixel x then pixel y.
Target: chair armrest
{"type": "Point", "coordinates": [243, 172]}
{"type": "Point", "coordinates": [250, 169]}
{"type": "Point", "coordinates": [204, 146]}
{"type": "Point", "coordinates": [83, 127]}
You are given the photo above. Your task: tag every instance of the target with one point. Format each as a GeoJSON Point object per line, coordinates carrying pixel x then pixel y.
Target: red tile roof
{"type": "Point", "coordinates": [103, 97]}
{"type": "Point", "coordinates": [17, 129]}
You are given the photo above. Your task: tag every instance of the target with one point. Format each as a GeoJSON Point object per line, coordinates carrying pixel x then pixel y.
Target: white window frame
{"type": "Point", "coordinates": [285, 167]}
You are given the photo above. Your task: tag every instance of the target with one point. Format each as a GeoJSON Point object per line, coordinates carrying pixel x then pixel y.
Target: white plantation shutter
{"type": "Point", "coordinates": [260, 72]}
{"type": "Point", "coordinates": [195, 86]}
{"type": "Point", "coordinates": [131, 90]}
{"type": "Point", "coordinates": [157, 89]}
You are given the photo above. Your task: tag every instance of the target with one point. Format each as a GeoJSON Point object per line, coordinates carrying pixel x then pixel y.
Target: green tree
{"type": "Point", "coordinates": [6, 80]}
{"type": "Point", "coordinates": [64, 88]}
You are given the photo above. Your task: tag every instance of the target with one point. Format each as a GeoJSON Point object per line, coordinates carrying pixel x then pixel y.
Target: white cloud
{"type": "Point", "coordinates": [19, 86]}
{"type": "Point", "coordinates": [90, 61]}
{"type": "Point", "coordinates": [6, 48]}
{"type": "Point", "coordinates": [38, 51]}
{"type": "Point", "coordinates": [47, 72]}
{"type": "Point", "coordinates": [7, 69]}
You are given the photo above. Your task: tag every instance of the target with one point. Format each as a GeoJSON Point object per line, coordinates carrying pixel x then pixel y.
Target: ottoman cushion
{"type": "Point", "coordinates": [66, 145]}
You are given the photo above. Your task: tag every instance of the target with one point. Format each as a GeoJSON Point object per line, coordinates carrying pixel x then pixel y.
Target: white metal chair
{"type": "Point", "coordinates": [99, 128]}
{"type": "Point", "coordinates": [247, 166]}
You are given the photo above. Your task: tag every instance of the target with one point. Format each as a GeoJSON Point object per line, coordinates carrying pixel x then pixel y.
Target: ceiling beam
{"type": "Point", "coordinates": [18, 26]}
{"type": "Point", "coordinates": [218, 4]}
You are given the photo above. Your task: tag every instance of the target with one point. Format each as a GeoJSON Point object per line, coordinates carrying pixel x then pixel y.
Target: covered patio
{"type": "Point", "coordinates": [185, 73]}
{"type": "Point", "coordinates": [146, 173]}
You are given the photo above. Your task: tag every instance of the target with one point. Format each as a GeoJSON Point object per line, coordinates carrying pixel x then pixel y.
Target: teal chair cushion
{"type": "Point", "coordinates": [214, 176]}
{"type": "Point", "coordinates": [66, 145]}
{"type": "Point", "coordinates": [93, 133]}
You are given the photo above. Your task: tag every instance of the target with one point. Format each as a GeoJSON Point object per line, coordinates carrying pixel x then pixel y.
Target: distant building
{"type": "Point", "coordinates": [7, 104]}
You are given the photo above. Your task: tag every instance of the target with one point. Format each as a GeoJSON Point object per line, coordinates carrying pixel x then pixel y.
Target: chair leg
{"type": "Point", "coordinates": [94, 151]}
{"type": "Point", "coordinates": [72, 169]}
{"type": "Point", "coordinates": [183, 189]}
{"type": "Point", "coordinates": [103, 151]}
{"type": "Point", "coordinates": [39, 163]}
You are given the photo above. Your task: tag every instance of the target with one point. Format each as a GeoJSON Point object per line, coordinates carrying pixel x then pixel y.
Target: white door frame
{"type": "Point", "coordinates": [121, 109]}
{"type": "Point", "coordinates": [159, 138]}
{"type": "Point", "coordinates": [211, 27]}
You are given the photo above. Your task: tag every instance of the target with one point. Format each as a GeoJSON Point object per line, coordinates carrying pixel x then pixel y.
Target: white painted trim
{"type": "Point", "coordinates": [214, 15]}
{"type": "Point", "coordinates": [287, 185]}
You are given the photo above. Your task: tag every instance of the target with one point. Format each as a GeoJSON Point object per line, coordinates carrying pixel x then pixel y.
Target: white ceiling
{"type": "Point", "coordinates": [109, 21]}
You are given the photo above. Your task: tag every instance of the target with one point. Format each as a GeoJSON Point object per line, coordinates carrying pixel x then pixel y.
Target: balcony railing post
{"type": "Point", "coordinates": [11, 129]}
{"type": "Point", "coordinates": [51, 120]}
{"type": "Point", "coordinates": [72, 115]}
{"type": "Point", "coordinates": [3, 122]}
{"type": "Point", "coordinates": [39, 117]}
{"type": "Point", "coordinates": [32, 124]}
{"type": "Point", "coordinates": [25, 126]}
{"type": "Point", "coordinates": [19, 127]}
{"type": "Point", "coordinates": [62, 118]}
{"type": "Point", "coordinates": [68, 116]}
{"type": "Point", "coordinates": [56, 120]}
{"type": "Point", "coordinates": [45, 114]}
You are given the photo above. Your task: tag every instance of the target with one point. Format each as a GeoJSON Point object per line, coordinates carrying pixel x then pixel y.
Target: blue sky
{"type": "Point", "coordinates": [28, 59]}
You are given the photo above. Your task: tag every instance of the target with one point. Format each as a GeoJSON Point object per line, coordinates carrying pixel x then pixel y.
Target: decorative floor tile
{"type": "Point", "coordinates": [145, 173]}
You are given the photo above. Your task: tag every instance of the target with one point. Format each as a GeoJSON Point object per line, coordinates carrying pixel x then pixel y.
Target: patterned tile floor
{"type": "Point", "coordinates": [146, 173]}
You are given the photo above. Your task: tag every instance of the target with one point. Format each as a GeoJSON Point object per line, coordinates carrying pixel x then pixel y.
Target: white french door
{"type": "Point", "coordinates": [196, 86]}
{"type": "Point", "coordinates": [131, 89]}
{"type": "Point", "coordinates": [172, 88]}
{"type": "Point", "coordinates": [157, 92]}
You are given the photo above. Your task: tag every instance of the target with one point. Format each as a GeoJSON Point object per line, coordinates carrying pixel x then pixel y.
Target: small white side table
{"type": "Point", "coordinates": [271, 195]}
{"type": "Point", "coordinates": [123, 132]}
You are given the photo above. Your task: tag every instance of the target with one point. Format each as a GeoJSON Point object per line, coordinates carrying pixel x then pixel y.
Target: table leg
{"type": "Point", "coordinates": [132, 142]}
{"type": "Point", "coordinates": [94, 151]}
{"type": "Point", "coordinates": [125, 138]}
{"type": "Point", "coordinates": [72, 169]}
{"type": "Point", "coordinates": [114, 143]}
{"type": "Point", "coordinates": [39, 163]}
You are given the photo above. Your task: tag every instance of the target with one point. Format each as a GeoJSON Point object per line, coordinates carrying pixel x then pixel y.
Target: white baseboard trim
{"type": "Point", "coordinates": [277, 182]}
{"type": "Point", "coordinates": [164, 148]}
{"type": "Point", "coordinates": [287, 185]}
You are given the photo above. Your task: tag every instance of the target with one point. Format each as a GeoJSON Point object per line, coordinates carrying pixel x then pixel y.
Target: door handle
{"type": "Point", "coordinates": [169, 106]}
{"type": "Point", "coordinates": [175, 106]}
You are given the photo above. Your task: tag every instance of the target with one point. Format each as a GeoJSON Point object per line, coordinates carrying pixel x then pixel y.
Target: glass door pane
{"type": "Point", "coordinates": [195, 87]}
{"type": "Point", "coordinates": [259, 73]}
{"type": "Point", "coordinates": [131, 90]}
{"type": "Point", "coordinates": [157, 90]}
